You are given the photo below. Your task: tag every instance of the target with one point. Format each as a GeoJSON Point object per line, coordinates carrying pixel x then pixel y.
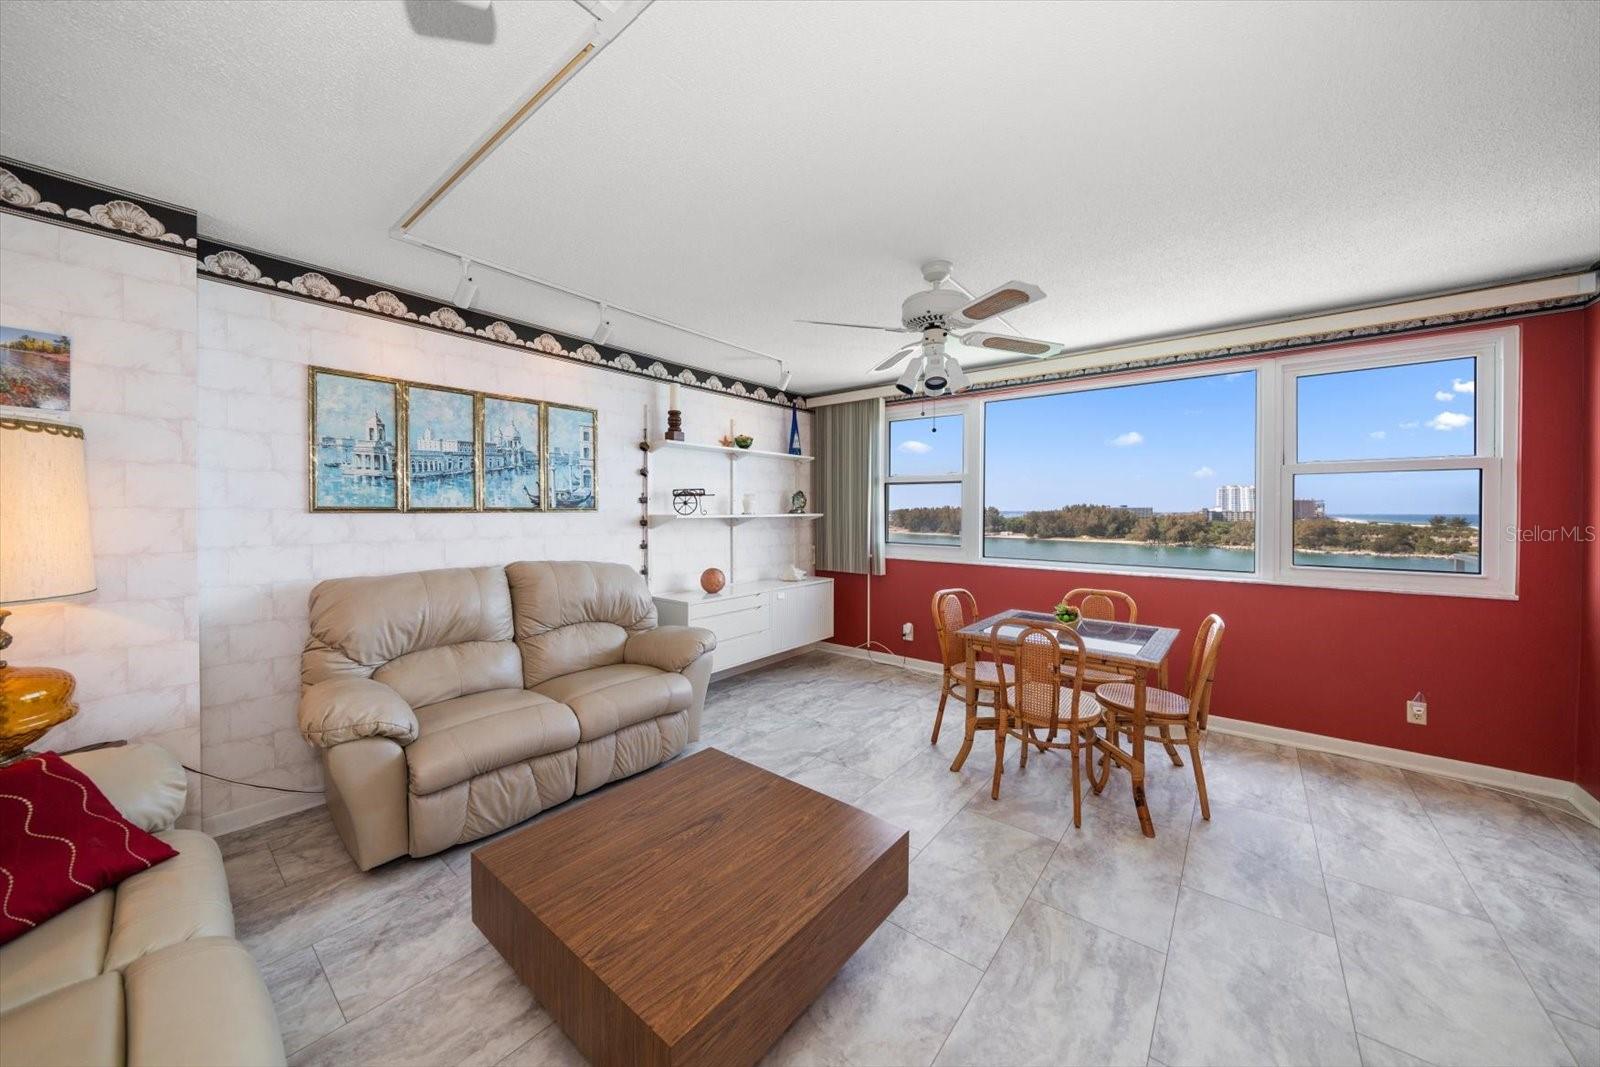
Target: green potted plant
{"type": "Point", "coordinates": [1067, 615]}
{"type": "Point", "coordinates": [744, 440]}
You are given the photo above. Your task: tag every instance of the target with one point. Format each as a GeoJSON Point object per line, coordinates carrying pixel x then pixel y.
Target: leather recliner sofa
{"type": "Point", "coordinates": [148, 973]}
{"type": "Point", "coordinates": [450, 704]}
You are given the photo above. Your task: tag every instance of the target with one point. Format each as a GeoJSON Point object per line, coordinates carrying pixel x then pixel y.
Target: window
{"type": "Point", "coordinates": [925, 488]}
{"type": "Point", "coordinates": [1385, 466]}
{"type": "Point", "coordinates": [1159, 474]}
{"type": "Point", "coordinates": [1393, 460]}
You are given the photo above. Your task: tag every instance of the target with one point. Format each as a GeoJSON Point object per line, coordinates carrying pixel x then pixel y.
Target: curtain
{"type": "Point", "coordinates": [848, 486]}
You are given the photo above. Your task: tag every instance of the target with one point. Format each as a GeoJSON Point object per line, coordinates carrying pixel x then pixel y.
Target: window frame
{"type": "Point", "coordinates": [1497, 399]}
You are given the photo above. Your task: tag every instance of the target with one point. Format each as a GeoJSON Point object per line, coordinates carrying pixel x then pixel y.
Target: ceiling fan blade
{"type": "Point", "coordinates": [896, 358]}
{"type": "Point", "coordinates": [998, 301]}
{"type": "Point", "coordinates": [1003, 342]}
{"type": "Point", "coordinates": [855, 325]}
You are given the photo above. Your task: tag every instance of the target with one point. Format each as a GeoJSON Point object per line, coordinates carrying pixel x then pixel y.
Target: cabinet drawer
{"type": "Point", "coordinates": [702, 610]}
{"type": "Point", "coordinates": [727, 626]}
{"type": "Point", "coordinates": [741, 650]}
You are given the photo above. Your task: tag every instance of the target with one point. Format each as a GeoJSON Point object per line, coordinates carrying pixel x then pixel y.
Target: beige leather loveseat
{"type": "Point", "coordinates": [450, 704]}
{"type": "Point", "coordinates": [147, 973]}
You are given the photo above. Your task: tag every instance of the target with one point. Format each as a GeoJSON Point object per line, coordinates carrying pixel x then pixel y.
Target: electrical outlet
{"type": "Point", "coordinates": [1417, 712]}
{"type": "Point", "coordinates": [906, 632]}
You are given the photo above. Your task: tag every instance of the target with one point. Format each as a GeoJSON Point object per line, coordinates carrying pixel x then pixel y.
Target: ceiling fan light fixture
{"type": "Point", "coordinates": [907, 382]}
{"type": "Point", "coordinates": [956, 375]}
{"type": "Point", "coordinates": [936, 378]}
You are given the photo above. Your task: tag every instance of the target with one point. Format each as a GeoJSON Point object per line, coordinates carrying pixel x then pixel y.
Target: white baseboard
{"type": "Point", "coordinates": [888, 659]}
{"type": "Point", "coordinates": [1477, 773]}
{"type": "Point", "coordinates": [262, 811]}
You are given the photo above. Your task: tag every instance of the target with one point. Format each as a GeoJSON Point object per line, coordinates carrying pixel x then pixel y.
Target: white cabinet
{"type": "Point", "coordinates": [754, 619]}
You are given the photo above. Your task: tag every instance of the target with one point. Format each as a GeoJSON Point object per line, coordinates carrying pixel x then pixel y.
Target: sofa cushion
{"type": "Point", "coordinates": [430, 675]}
{"type": "Point", "coordinates": [571, 616]}
{"type": "Point", "coordinates": [184, 898]}
{"type": "Point", "coordinates": [605, 699]}
{"type": "Point", "coordinates": [360, 624]}
{"type": "Point", "coordinates": [61, 841]}
{"type": "Point", "coordinates": [200, 1003]}
{"type": "Point", "coordinates": [470, 735]}
{"type": "Point", "coordinates": [81, 1024]}
{"type": "Point", "coordinates": [67, 949]}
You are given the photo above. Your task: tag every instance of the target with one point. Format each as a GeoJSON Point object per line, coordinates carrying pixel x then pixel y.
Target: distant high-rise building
{"type": "Point", "coordinates": [1310, 509]}
{"type": "Point", "coordinates": [1236, 498]}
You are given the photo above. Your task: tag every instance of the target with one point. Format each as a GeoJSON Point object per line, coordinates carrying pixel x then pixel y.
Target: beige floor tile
{"type": "Point", "coordinates": [306, 1006]}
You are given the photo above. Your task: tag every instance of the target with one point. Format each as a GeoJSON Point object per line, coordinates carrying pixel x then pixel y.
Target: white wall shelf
{"type": "Point", "coordinates": [659, 518]}
{"type": "Point", "coordinates": [660, 444]}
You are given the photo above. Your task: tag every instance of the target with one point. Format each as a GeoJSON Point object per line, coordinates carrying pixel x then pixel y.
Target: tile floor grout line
{"type": "Point", "coordinates": [1333, 925]}
{"type": "Point", "coordinates": [1172, 925]}
{"type": "Point", "coordinates": [1499, 935]}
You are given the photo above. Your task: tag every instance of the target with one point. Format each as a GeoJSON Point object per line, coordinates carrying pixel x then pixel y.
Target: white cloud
{"type": "Point", "coordinates": [1449, 420]}
{"type": "Point", "coordinates": [1410, 424]}
{"type": "Point", "coordinates": [916, 448]}
{"type": "Point", "coordinates": [1464, 387]}
{"type": "Point", "coordinates": [1132, 437]}
{"type": "Point", "coordinates": [1205, 472]}
{"type": "Point", "coordinates": [1443, 397]}
{"type": "Point", "coordinates": [1378, 435]}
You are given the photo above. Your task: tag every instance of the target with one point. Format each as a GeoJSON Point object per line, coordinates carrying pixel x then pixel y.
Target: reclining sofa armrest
{"type": "Point", "coordinates": [144, 782]}
{"type": "Point", "coordinates": [344, 709]}
{"type": "Point", "coordinates": [669, 648]}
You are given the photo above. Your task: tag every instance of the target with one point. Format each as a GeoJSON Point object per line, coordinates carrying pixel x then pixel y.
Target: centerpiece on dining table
{"type": "Point", "coordinates": [1067, 615]}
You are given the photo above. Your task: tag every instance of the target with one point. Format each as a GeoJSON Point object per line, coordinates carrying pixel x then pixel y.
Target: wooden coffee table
{"type": "Point", "coordinates": [689, 915]}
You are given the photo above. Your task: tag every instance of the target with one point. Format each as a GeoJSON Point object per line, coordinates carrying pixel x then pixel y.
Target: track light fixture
{"type": "Point", "coordinates": [783, 386]}
{"type": "Point", "coordinates": [467, 287]}
{"type": "Point", "coordinates": [602, 333]}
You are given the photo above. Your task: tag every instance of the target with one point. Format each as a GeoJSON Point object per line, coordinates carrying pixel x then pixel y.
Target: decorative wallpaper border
{"type": "Point", "coordinates": [247, 267]}
{"type": "Point", "coordinates": [35, 193]}
{"type": "Point", "coordinates": [1432, 322]}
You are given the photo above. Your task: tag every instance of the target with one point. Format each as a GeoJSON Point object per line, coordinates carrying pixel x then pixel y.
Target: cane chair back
{"type": "Point", "coordinates": [1203, 668]}
{"type": "Point", "coordinates": [952, 609]}
{"type": "Point", "coordinates": [1103, 604]}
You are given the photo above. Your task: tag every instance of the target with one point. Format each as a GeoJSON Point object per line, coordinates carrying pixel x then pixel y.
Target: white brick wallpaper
{"type": "Point", "coordinates": [132, 644]}
{"type": "Point", "coordinates": [193, 401]}
{"type": "Point", "coordinates": [260, 550]}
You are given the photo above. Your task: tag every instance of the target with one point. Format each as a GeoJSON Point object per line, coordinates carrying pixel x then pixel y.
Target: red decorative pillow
{"type": "Point", "coordinates": [61, 841]}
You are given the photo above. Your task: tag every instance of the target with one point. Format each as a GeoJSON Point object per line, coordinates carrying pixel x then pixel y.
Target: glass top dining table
{"type": "Point", "coordinates": [1131, 648]}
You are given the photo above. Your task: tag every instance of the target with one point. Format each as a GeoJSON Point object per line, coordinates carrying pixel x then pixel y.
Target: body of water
{"type": "Point", "coordinates": [443, 491]}
{"type": "Point", "coordinates": [1190, 557]}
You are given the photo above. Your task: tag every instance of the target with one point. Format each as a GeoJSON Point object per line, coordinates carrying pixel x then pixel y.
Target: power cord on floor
{"type": "Point", "coordinates": [252, 785]}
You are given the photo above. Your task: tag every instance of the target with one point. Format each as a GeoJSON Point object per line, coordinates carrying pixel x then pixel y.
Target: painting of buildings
{"type": "Point", "coordinates": [440, 450]}
{"type": "Point", "coordinates": [571, 451]}
{"type": "Point", "coordinates": [354, 454]}
{"type": "Point", "coordinates": [510, 429]}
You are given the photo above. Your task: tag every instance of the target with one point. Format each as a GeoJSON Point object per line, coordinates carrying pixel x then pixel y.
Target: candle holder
{"type": "Point", "coordinates": [674, 425]}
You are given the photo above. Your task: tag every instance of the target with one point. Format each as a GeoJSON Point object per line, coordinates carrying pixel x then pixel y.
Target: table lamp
{"type": "Point", "coordinates": [44, 554]}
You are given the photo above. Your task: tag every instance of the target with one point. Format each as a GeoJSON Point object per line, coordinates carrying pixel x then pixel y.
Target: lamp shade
{"type": "Point", "coordinates": [45, 549]}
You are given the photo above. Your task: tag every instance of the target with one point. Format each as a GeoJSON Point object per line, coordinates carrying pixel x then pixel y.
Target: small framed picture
{"type": "Point", "coordinates": [441, 449]}
{"type": "Point", "coordinates": [355, 441]}
{"type": "Point", "coordinates": [570, 468]}
{"type": "Point", "coordinates": [509, 432]}
{"type": "Point", "coordinates": [35, 369]}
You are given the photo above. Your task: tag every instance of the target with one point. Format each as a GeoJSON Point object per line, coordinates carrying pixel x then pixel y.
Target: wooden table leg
{"type": "Point", "coordinates": [972, 708]}
{"type": "Point", "coordinates": [1137, 768]}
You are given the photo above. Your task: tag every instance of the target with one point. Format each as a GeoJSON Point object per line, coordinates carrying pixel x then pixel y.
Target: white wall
{"type": "Point", "coordinates": [261, 550]}
{"type": "Point", "coordinates": [130, 311]}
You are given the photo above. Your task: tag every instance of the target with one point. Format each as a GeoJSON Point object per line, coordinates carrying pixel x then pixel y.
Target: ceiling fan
{"type": "Point", "coordinates": [942, 315]}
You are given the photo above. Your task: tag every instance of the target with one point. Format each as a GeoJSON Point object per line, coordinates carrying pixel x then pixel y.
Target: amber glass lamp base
{"type": "Point", "coordinates": [32, 701]}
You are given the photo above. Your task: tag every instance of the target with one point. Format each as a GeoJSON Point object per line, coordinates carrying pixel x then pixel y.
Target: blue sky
{"type": "Point", "coordinates": [1168, 445]}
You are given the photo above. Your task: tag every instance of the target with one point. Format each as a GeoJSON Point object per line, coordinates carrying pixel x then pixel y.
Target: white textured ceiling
{"type": "Point", "coordinates": [734, 166]}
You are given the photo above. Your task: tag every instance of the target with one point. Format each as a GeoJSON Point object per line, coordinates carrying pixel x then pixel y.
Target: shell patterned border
{"type": "Point", "coordinates": [243, 266]}
{"type": "Point", "coordinates": [30, 191]}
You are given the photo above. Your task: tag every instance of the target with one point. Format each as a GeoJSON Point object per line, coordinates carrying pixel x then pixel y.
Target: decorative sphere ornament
{"type": "Point", "coordinates": [713, 580]}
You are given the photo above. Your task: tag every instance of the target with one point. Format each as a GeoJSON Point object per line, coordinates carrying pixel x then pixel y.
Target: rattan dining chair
{"type": "Point", "coordinates": [1166, 711]}
{"type": "Point", "coordinates": [1049, 674]}
{"type": "Point", "coordinates": [953, 609]}
{"type": "Point", "coordinates": [1102, 604]}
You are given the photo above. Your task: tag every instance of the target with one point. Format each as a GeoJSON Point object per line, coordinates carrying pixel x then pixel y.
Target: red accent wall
{"type": "Point", "coordinates": [1501, 677]}
{"type": "Point", "coordinates": [1588, 773]}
